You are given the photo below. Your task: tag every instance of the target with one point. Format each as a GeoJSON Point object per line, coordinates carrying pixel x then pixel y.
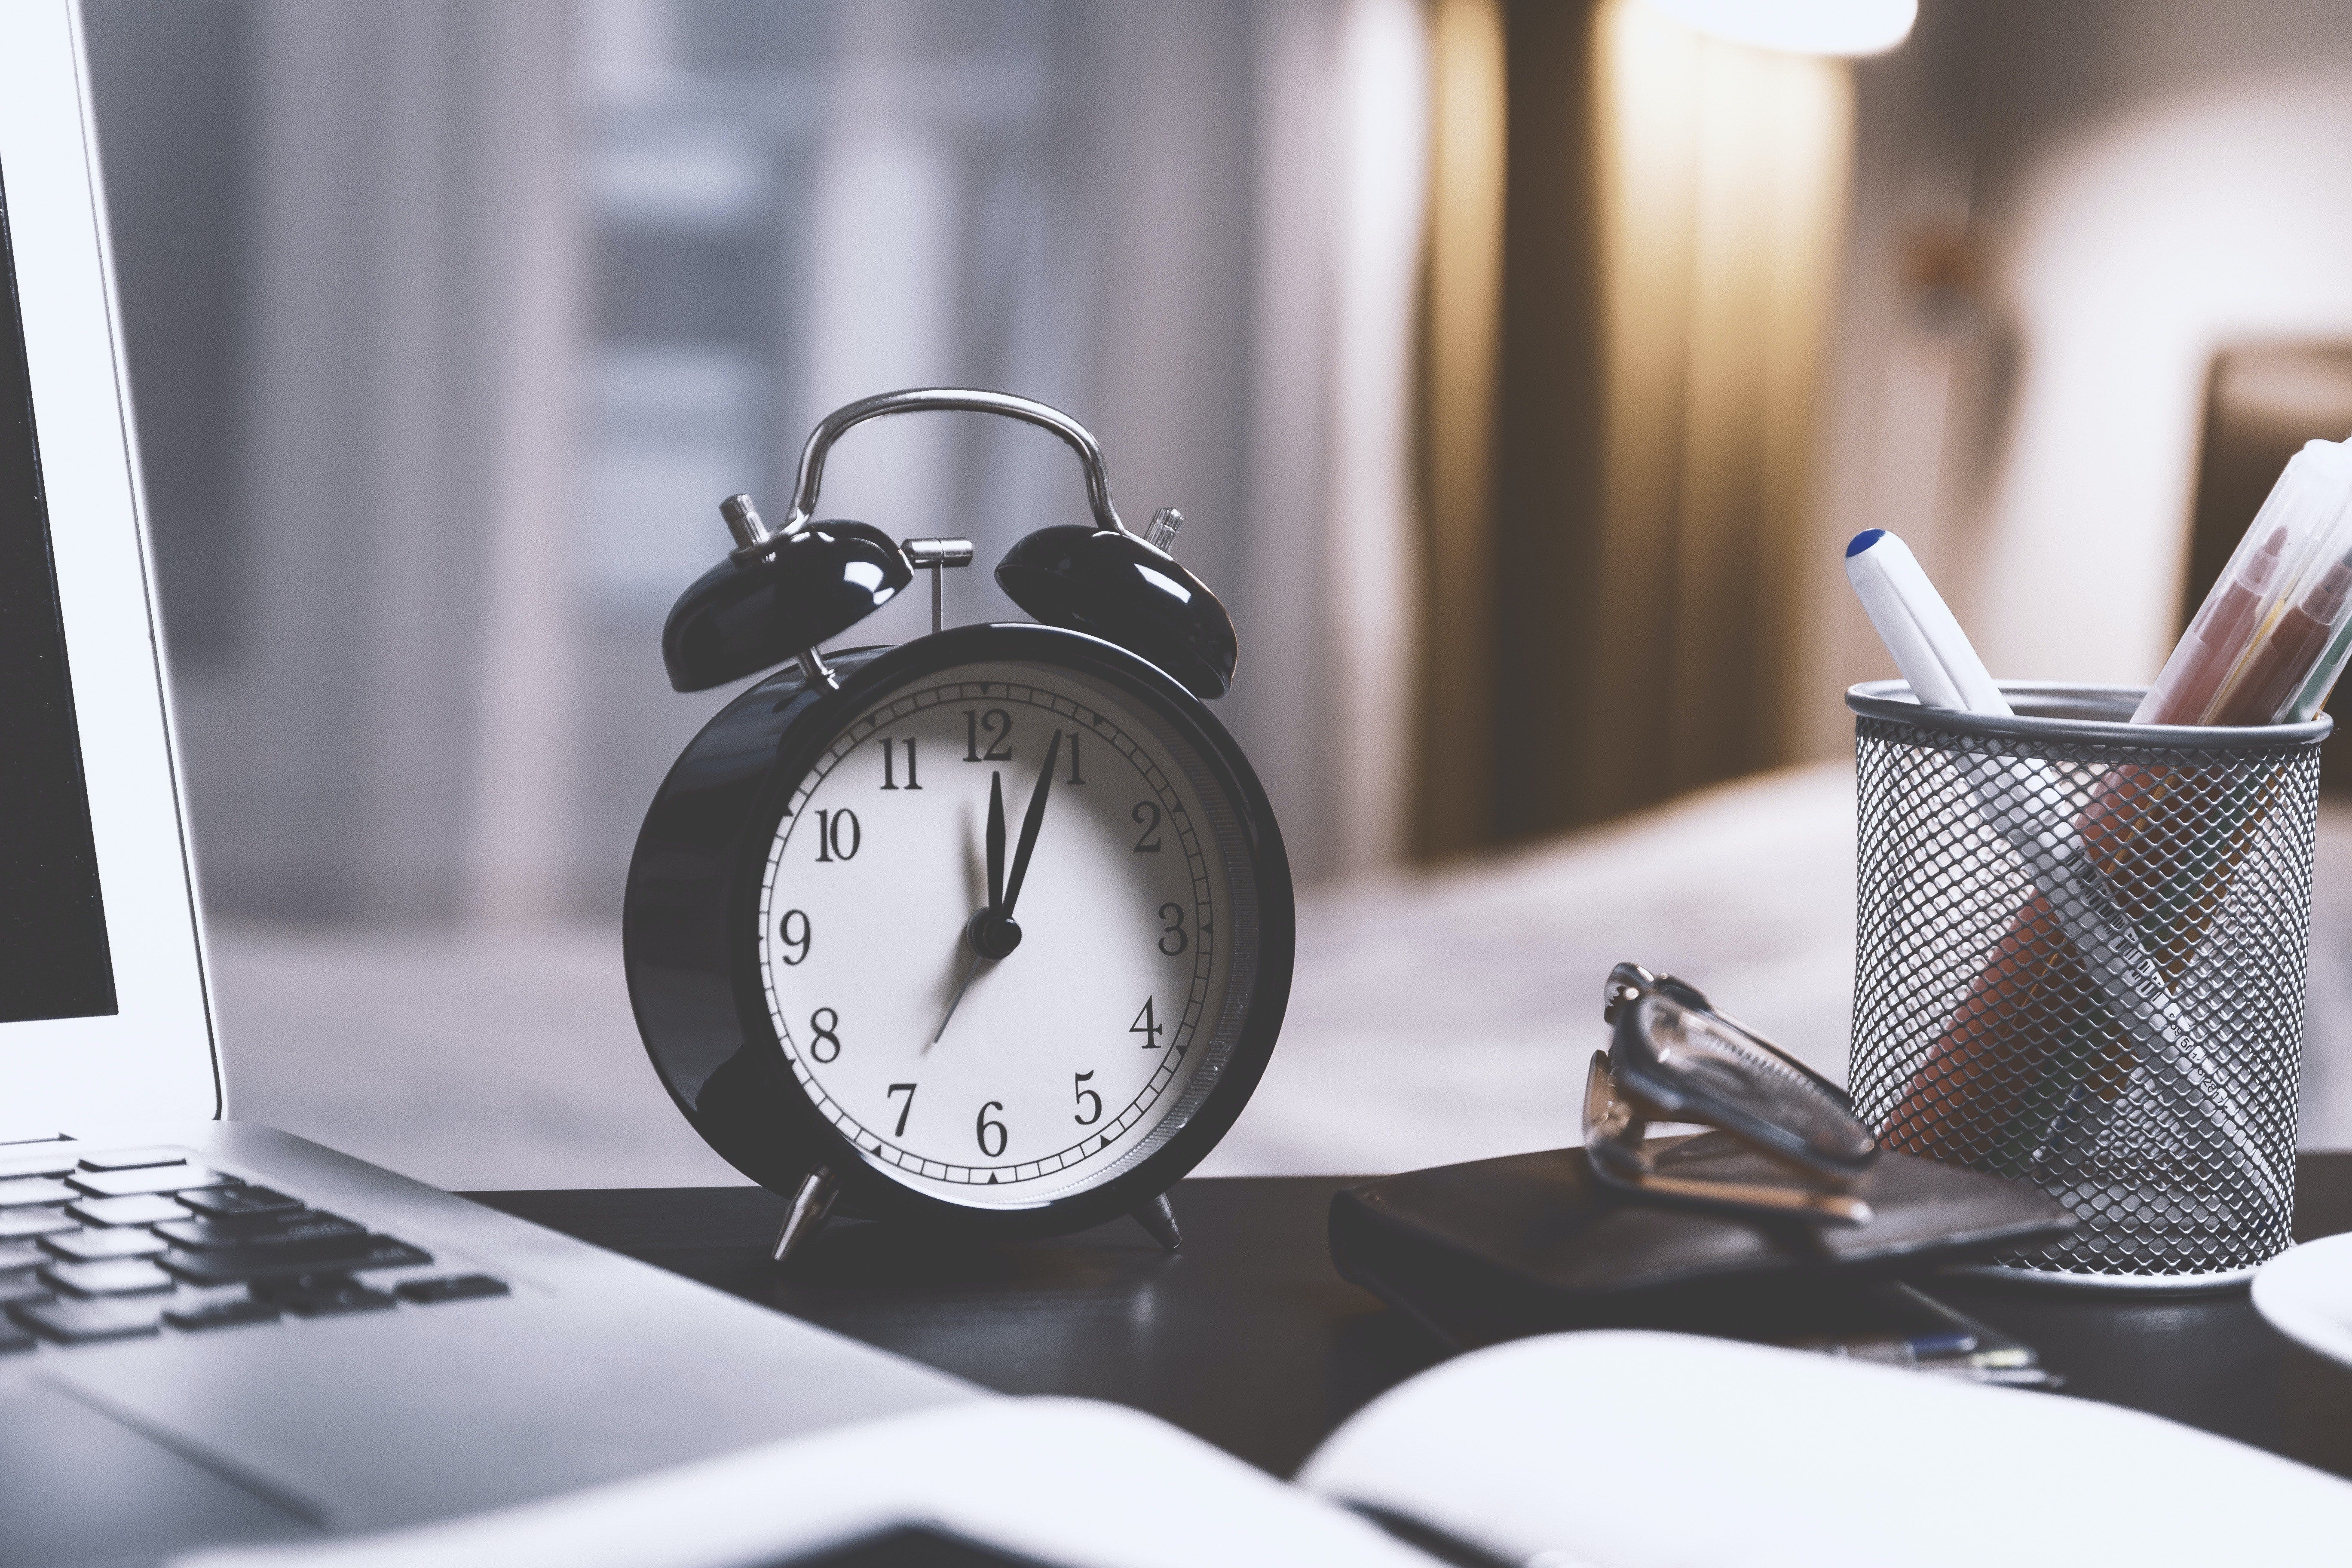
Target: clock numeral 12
{"type": "Point", "coordinates": [889, 773]}
{"type": "Point", "coordinates": [1148, 1027]}
{"type": "Point", "coordinates": [999, 725]}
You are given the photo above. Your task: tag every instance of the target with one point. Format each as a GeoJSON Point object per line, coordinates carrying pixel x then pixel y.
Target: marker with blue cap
{"type": "Point", "coordinates": [1917, 627]}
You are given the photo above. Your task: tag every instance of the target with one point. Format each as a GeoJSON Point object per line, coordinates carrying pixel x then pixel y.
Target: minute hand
{"type": "Point", "coordinates": [1029, 825]}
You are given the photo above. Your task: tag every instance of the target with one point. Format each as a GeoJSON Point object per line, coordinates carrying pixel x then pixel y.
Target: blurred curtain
{"type": "Point", "coordinates": [450, 325]}
{"type": "Point", "coordinates": [369, 445]}
{"type": "Point", "coordinates": [1671, 214]}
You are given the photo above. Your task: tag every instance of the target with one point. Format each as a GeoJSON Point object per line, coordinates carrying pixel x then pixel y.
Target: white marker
{"type": "Point", "coordinates": [1917, 627]}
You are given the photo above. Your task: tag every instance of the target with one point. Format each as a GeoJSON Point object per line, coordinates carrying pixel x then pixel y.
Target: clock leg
{"type": "Point", "coordinates": [806, 1217]}
{"type": "Point", "coordinates": [1158, 1218]}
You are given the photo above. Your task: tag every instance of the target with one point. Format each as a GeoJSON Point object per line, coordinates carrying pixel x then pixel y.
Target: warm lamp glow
{"type": "Point", "coordinates": [1800, 26]}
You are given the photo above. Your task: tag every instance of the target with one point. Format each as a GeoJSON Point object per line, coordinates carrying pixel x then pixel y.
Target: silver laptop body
{"type": "Point", "coordinates": [212, 1331]}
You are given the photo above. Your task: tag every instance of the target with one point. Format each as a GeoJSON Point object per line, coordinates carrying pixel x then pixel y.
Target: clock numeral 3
{"type": "Point", "coordinates": [1174, 932]}
{"type": "Point", "coordinates": [1147, 1025]}
{"type": "Point", "coordinates": [999, 725]}
{"type": "Point", "coordinates": [1083, 1094]}
{"type": "Point", "coordinates": [889, 759]}
{"type": "Point", "coordinates": [795, 938]}
{"type": "Point", "coordinates": [838, 837]}
{"type": "Point", "coordinates": [824, 1026]}
{"type": "Point", "coordinates": [982, 1127]}
{"type": "Point", "coordinates": [900, 1130]}
{"type": "Point", "coordinates": [1147, 813]}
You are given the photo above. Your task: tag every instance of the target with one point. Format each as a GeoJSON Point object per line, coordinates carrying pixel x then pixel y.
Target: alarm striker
{"type": "Point", "coordinates": [991, 932]}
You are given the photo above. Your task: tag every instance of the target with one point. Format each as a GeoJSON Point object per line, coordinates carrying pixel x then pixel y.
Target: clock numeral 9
{"type": "Point", "coordinates": [982, 1127]}
{"type": "Point", "coordinates": [1172, 939]}
{"type": "Point", "coordinates": [824, 1025]}
{"type": "Point", "coordinates": [838, 837]}
{"type": "Point", "coordinates": [999, 725]}
{"type": "Point", "coordinates": [1146, 813]}
{"type": "Point", "coordinates": [794, 929]}
{"type": "Point", "coordinates": [1082, 1094]}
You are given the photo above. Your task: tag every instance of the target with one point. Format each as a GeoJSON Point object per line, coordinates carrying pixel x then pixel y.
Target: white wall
{"type": "Point", "coordinates": [2142, 181]}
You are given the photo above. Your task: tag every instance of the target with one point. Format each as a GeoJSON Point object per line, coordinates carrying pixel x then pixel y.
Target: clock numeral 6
{"type": "Point", "coordinates": [1082, 1094]}
{"type": "Point", "coordinates": [1172, 939]}
{"type": "Point", "coordinates": [838, 837]}
{"type": "Point", "coordinates": [982, 1127]}
{"type": "Point", "coordinates": [794, 929]}
{"type": "Point", "coordinates": [824, 1025]}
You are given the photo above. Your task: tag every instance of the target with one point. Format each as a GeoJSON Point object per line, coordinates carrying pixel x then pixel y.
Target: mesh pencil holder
{"type": "Point", "coordinates": [2080, 952]}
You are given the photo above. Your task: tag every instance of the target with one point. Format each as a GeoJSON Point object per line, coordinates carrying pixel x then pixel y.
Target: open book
{"type": "Point", "coordinates": [1604, 1449]}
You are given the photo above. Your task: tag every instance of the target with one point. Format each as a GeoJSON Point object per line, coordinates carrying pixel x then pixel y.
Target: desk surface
{"type": "Point", "coordinates": [1249, 1340]}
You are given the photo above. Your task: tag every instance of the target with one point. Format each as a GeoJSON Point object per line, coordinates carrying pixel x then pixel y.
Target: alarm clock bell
{"type": "Point", "coordinates": [731, 803]}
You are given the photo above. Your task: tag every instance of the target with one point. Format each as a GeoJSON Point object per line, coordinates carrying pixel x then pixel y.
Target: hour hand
{"type": "Point", "coordinates": [995, 842]}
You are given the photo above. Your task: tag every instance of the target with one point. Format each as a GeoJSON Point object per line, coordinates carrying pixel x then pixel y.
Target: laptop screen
{"type": "Point", "coordinates": [54, 961]}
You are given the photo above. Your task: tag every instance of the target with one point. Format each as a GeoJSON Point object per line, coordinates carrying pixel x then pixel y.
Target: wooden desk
{"type": "Point", "coordinates": [1249, 1340]}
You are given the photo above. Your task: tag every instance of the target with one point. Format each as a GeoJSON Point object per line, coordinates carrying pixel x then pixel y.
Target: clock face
{"type": "Point", "coordinates": [971, 1065]}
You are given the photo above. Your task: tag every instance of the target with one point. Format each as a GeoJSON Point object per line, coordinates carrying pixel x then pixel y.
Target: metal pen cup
{"type": "Point", "coordinates": [2080, 954]}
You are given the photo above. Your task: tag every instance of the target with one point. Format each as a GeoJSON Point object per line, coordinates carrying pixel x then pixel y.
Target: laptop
{"type": "Point", "coordinates": [214, 1331]}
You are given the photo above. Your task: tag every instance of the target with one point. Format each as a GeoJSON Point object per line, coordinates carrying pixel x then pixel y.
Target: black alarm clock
{"type": "Point", "coordinates": [991, 931]}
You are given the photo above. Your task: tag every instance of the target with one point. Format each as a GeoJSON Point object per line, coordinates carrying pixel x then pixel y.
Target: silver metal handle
{"type": "Point", "coordinates": [753, 536]}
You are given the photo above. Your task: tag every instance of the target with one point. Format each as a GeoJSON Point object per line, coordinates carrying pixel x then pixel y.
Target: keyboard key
{"type": "Point", "coordinates": [25, 1191]}
{"type": "Point", "coordinates": [285, 1259]}
{"type": "Point", "coordinates": [12, 1338]}
{"type": "Point", "coordinates": [41, 1165]}
{"type": "Point", "coordinates": [93, 1245]}
{"type": "Point", "coordinates": [20, 1255]}
{"type": "Point", "coordinates": [257, 1229]}
{"type": "Point", "coordinates": [458, 1288]}
{"type": "Point", "coordinates": [221, 1315]}
{"type": "Point", "coordinates": [115, 1276]}
{"type": "Point", "coordinates": [134, 1159]}
{"type": "Point", "coordinates": [79, 1322]}
{"type": "Point", "coordinates": [17, 1224]}
{"type": "Point", "coordinates": [23, 1285]}
{"type": "Point", "coordinates": [140, 1208]}
{"type": "Point", "coordinates": [224, 1202]}
{"type": "Point", "coordinates": [164, 1179]}
{"type": "Point", "coordinates": [322, 1295]}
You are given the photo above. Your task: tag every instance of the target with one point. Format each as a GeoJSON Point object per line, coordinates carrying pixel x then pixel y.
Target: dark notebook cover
{"type": "Point", "coordinates": [1497, 1249]}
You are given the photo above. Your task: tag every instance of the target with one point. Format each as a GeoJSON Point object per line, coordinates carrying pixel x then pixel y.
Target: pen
{"type": "Point", "coordinates": [2214, 640]}
{"type": "Point", "coordinates": [2274, 671]}
{"type": "Point", "coordinates": [2313, 695]}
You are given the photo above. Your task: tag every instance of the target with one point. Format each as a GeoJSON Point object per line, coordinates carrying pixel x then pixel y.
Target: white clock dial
{"type": "Point", "coordinates": [1067, 1059]}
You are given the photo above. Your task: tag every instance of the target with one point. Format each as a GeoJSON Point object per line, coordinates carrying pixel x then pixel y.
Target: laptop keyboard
{"type": "Point", "coordinates": [125, 1243]}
